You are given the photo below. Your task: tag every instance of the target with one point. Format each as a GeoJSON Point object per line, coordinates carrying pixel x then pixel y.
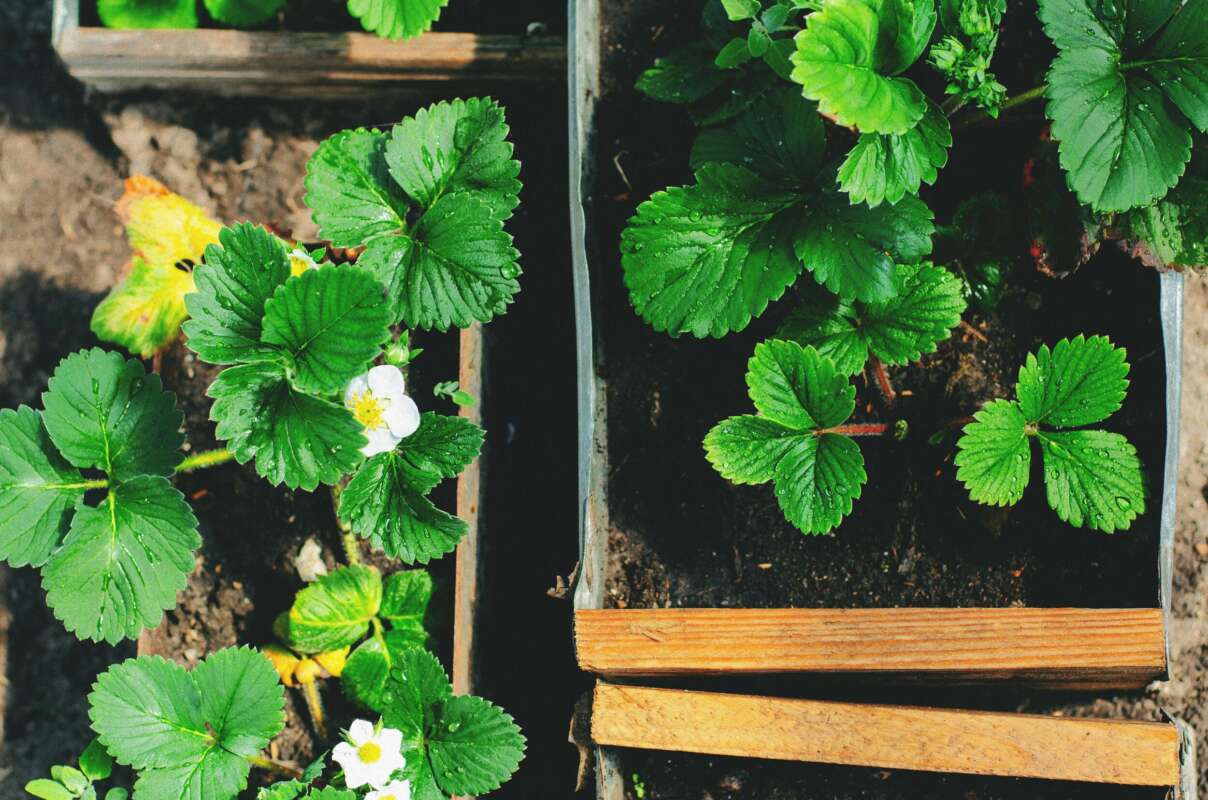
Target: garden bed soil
{"type": "Point", "coordinates": [682, 536]}
{"type": "Point", "coordinates": [64, 247]}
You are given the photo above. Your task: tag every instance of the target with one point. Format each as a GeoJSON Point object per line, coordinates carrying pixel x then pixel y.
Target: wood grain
{"type": "Point", "coordinates": [1122, 648]}
{"type": "Point", "coordinates": [889, 737]}
{"type": "Point", "coordinates": [469, 495]}
{"type": "Point", "coordinates": [293, 64]}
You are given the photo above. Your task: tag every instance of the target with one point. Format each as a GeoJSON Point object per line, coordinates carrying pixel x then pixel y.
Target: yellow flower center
{"type": "Point", "coordinates": [368, 410]}
{"type": "Point", "coordinates": [369, 753]}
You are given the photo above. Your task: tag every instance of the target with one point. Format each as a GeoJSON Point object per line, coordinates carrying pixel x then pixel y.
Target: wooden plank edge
{"type": "Point", "coordinates": [1067, 647]}
{"type": "Point", "coordinates": [888, 737]}
{"type": "Point", "coordinates": [469, 496]}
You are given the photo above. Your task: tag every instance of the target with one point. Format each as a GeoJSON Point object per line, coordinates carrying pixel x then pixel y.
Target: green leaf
{"type": "Point", "coordinates": [734, 54]}
{"type": "Point", "coordinates": [685, 76]}
{"type": "Point", "coordinates": [886, 168]}
{"type": "Point", "coordinates": [797, 387]}
{"type": "Point", "coordinates": [334, 611]}
{"type": "Point", "coordinates": [473, 746]}
{"type": "Point", "coordinates": [442, 447]}
{"type": "Point", "coordinates": [406, 600]}
{"type": "Point", "coordinates": [1092, 478]}
{"type": "Point", "coordinates": [117, 793]}
{"type": "Point", "coordinates": [237, 279]}
{"type": "Point", "coordinates": [396, 19]}
{"type": "Point", "coordinates": [453, 148]}
{"type": "Point", "coordinates": [417, 683]}
{"type": "Point", "coordinates": [928, 305]}
{"type": "Point", "coordinates": [71, 778]}
{"type": "Point", "coordinates": [994, 456]}
{"type": "Point", "coordinates": [189, 734]}
{"type": "Point", "coordinates": [1122, 94]}
{"type": "Point", "coordinates": [147, 13]}
{"type": "Point", "coordinates": [385, 503]}
{"type": "Point", "coordinates": [1173, 233]}
{"type": "Point", "coordinates": [847, 56]}
{"type": "Point", "coordinates": [1078, 382]}
{"type": "Point", "coordinates": [282, 790]}
{"type": "Point", "coordinates": [800, 395]}
{"type": "Point", "coordinates": [456, 267]}
{"type": "Point", "coordinates": [96, 762]}
{"type": "Point", "coordinates": [48, 790]}
{"type": "Point", "coordinates": [782, 139]}
{"type": "Point", "coordinates": [104, 411]}
{"type": "Point", "coordinates": [244, 13]}
{"type": "Point", "coordinates": [39, 490]}
{"type": "Point", "coordinates": [737, 10]}
{"type": "Point", "coordinates": [295, 439]}
{"type": "Point", "coordinates": [367, 669]}
{"type": "Point", "coordinates": [332, 321]}
{"type": "Point", "coordinates": [349, 188]}
{"type": "Point", "coordinates": [122, 563]}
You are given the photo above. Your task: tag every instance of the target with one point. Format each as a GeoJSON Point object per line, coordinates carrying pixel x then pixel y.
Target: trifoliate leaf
{"type": "Point", "coordinates": [122, 563]}
{"type": "Point", "coordinates": [385, 503]}
{"type": "Point", "coordinates": [334, 611]}
{"type": "Point", "coordinates": [1123, 93]}
{"type": "Point", "coordinates": [349, 188]}
{"type": "Point", "coordinates": [442, 447]}
{"type": "Point", "coordinates": [456, 267]}
{"type": "Point", "coordinates": [140, 14]}
{"type": "Point", "coordinates": [368, 667]}
{"type": "Point", "coordinates": [168, 235]}
{"type": "Point", "coordinates": [994, 457]}
{"type": "Point", "coordinates": [685, 76]}
{"type": "Point", "coordinates": [1078, 382]}
{"type": "Point", "coordinates": [396, 19]}
{"type": "Point", "coordinates": [453, 148]}
{"type": "Point", "coordinates": [295, 439]}
{"type": "Point", "coordinates": [233, 285]}
{"type": "Point", "coordinates": [39, 490]}
{"type": "Point", "coordinates": [417, 684]}
{"type": "Point", "coordinates": [927, 306]}
{"type": "Point", "coordinates": [1092, 478]}
{"type": "Point", "coordinates": [105, 411]}
{"type": "Point", "coordinates": [886, 168]}
{"type": "Point", "coordinates": [850, 51]}
{"type": "Point", "coordinates": [332, 321]}
{"type": "Point", "coordinates": [243, 13]}
{"type": "Point", "coordinates": [473, 746]}
{"type": "Point", "coordinates": [188, 734]}
{"type": "Point", "coordinates": [782, 139]}
{"type": "Point", "coordinates": [800, 396]}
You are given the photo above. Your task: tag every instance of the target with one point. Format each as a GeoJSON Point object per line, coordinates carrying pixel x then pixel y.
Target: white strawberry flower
{"type": "Point", "coordinates": [371, 756]}
{"type": "Point", "coordinates": [300, 261]}
{"type": "Point", "coordinates": [378, 400]}
{"type": "Point", "coordinates": [395, 790]}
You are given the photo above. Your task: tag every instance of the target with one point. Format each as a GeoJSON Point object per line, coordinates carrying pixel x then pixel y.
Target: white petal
{"type": "Point", "coordinates": [392, 761]}
{"type": "Point", "coordinates": [376, 795]}
{"type": "Point", "coordinates": [402, 416]}
{"type": "Point", "coordinates": [376, 774]}
{"type": "Point", "coordinates": [381, 440]}
{"type": "Point", "coordinates": [358, 774]}
{"type": "Point", "coordinates": [360, 731]}
{"type": "Point", "coordinates": [387, 381]}
{"type": "Point", "coordinates": [395, 790]}
{"type": "Point", "coordinates": [390, 740]}
{"type": "Point", "coordinates": [357, 386]}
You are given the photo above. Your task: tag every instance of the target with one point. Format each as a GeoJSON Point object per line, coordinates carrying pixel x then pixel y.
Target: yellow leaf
{"type": "Point", "coordinates": [285, 662]}
{"type": "Point", "coordinates": [332, 661]}
{"type": "Point", "coordinates": [169, 235]}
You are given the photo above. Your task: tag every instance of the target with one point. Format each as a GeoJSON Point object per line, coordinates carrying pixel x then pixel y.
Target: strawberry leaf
{"type": "Point", "coordinates": [1092, 478]}
{"type": "Point", "coordinates": [1078, 382]}
{"type": "Point", "coordinates": [928, 305]}
{"type": "Point", "coordinates": [850, 51]}
{"type": "Point", "coordinates": [396, 19]}
{"type": "Point", "coordinates": [349, 188]}
{"type": "Point", "coordinates": [995, 457]}
{"type": "Point", "coordinates": [887, 167]}
{"type": "Point", "coordinates": [140, 14]}
{"type": "Point", "coordinates": [334, 611]}
{"type": "Point", "coordinates": [188, 734]}
{"type": "Point", "coordinates": [685, 76]}
{"type": "Point", "coordinates": [1123, 94]}
{"type": "Point", "coordinates": [243, 13]}
{"type": "Point", "coordinates": [800, 396]}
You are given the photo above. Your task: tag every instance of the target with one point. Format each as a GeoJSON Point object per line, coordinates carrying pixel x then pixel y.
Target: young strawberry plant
{"type": "Point", "coordinates": [1092, 478]}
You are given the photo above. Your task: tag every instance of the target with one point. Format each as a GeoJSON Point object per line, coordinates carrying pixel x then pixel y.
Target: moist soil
{"type": "Point", "coordinates": [63, 155]}
{"type": "Point", "coordinates": [681, 536]}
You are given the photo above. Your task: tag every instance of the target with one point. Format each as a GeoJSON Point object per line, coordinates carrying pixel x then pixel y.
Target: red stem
{"type": "Point", "coordinates": [882, 378]}
{"type": "Point", "coordinates": [858, 429]}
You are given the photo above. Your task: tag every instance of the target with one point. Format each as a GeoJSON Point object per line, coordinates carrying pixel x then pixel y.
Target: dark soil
{"type": "Point", "coordinates": [682, 536]}
{"type": "Point", "coordinates": [473, 16]}
{"type": "Point", "coordinates": [63, 154]}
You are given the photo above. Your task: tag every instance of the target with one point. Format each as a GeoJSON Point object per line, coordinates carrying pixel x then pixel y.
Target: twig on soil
{"type": "Point", "coordinates": [974, 332]}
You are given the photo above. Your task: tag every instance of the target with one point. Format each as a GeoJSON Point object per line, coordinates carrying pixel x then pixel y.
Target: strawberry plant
{"type": "Point", "coordinates": [311, 392]}
{"type": "Point", "coordinates": [815, 138]}
{"type": "Point", "coordinates": [1092, 478]}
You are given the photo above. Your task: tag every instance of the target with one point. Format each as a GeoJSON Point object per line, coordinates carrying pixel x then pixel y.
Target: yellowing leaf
{"type": "Point", "coordinates": [169, 235]}
{"type": "Point", "coordinates": [284, 661]}
{"type": "Point", "coordinates": [332, 661]}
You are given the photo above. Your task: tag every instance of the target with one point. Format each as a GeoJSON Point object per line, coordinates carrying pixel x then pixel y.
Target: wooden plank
{"type": "Point", "coordinates": [1065, 646]}
{"type": "Point", "coordinates": [889, 737]}
{"type": "Point", "coordinates": [469, 494]}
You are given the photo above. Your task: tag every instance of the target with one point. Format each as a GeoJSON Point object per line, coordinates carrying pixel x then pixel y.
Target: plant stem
{"type": "Point", "coordinates": [277, 767]}
{"type": "Point", "coordinates": [352, 547]}
{"type": "Point", "coordinates": [980, 115]}
{"type": "Point", "coordinates": [882, 378]}
{"type": "Point", "coordinates": [310, 690]}
{"type": "Point", "coordinates": [858, 429]}
{"type": "Point", "coordinates": [98, 483]}
{"type": "Point", "coordinates": [204, 459]}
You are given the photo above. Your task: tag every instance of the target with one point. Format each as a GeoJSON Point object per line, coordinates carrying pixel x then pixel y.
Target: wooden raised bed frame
{"type": "Point", "coordinates": [292, 64]}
